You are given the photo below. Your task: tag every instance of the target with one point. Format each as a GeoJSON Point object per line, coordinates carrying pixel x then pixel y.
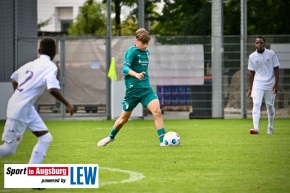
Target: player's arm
{"type": "Point", "coordinates": [251, 80]}
{"type": "Point", "coordinates": [14, 84]}
{"type": "Point", "coordinates": [55, 92]}
{"type": "Point", "coordinates": [128, 71]}
{"type": "Point", "coordinates": [276, 73]}
{"type": "Point", "coordinates": [129, 57]}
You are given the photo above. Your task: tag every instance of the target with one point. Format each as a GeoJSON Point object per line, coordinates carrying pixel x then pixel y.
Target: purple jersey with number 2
{"type": "Point", "coordinates": [32, 78]}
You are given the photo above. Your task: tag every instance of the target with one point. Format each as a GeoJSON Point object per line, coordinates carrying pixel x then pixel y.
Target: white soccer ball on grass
{"type": "Point", "coordinates": [171, 138]}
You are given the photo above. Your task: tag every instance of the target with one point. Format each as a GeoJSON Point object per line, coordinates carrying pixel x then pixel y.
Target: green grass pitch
{"type": "Point", "coordinates": [215, 156]}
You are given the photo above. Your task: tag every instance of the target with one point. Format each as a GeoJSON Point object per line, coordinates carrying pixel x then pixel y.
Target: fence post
{"type": "Point", "coordinates": [243, 56]}
{"type": "Point", "coordinates": [108, 59]}
{"type": "Point", "coordinates": [62, 75]}
{"type": "Point", "coordinates": [217, 55]}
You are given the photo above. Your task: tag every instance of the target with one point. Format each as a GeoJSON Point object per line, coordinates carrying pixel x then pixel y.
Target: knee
{"type": "Point", "coordinates": [257, 104]}
{"type": "Point", "coordinates": [157, 113]}
{"type": "Point", "coordinates": [121, 121]}
{"type": "Point", "coordinates": [46, 139]}
{"type": "Point", "coordinates": [7, 149]}
{"type": "Point", "coordinates": [270, 109]}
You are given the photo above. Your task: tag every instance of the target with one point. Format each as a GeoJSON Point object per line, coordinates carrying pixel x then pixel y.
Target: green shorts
{"type": "Point", "coordinates": [138, 95]}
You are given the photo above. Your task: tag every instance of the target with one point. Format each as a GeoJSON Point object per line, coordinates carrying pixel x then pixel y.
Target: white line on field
{"type": "Point", "coordinates": [134, 176]}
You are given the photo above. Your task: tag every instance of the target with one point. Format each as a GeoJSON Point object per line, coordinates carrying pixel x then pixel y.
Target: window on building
{"type": "Point", "coordinates": [65, 17]}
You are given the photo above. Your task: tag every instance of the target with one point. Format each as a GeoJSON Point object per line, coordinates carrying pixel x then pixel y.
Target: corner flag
{"type": "Point", "coordinates": [112, 71]}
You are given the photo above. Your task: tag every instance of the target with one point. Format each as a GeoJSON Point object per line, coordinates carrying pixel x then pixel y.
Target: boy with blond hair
{"type": "Point", "coordinates": [138, 89]}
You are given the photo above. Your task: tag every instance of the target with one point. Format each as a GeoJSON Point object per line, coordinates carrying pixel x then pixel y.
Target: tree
{"type": "Point", "coordinates": [232, 17]}
{"type": "Point", "coordinates": [193, 17]}
{"type": "Point", "coordinates": [263, 17]}
{"type": "Point", "coordinates": [90, 21]}
{"type": "Point", "coordinates": [129, 27]}
{"type": "Point", "coordinates": [184, 17]}
{"type": "Point", "coordinates": [117, 5]}
{"type": "Point", "coordinates": [268, 17]}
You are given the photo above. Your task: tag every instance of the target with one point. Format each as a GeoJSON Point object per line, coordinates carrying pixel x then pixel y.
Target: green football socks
{"type": "Point", "coordinates": [161, 133]}
{"type": "Point", "coordinates": [113, 133]}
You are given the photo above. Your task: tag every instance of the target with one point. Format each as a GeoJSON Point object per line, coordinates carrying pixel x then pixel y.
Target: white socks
{"type": "Point", "coordinates": [39, 150]}
{"type": "Point", "coordinates": [256, 115]}
{"type": "Point", "coordinates": [271, 115]}
{"type": "Point", "coordinates": [7, 149]}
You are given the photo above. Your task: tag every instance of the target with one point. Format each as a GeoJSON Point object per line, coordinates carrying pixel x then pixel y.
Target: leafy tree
{"type": "Point", "coordinates": [91, 20]}
{"type": "Point", "coordinates": [184, 17]}
{"type": "Point", "coordinates": [268, 17]}
{"type": "Point", "coordinates": [120, 27]}
{"type": "Point", "coordinates": [263, 17]}
{"type": "Point", "coordinates": [117, 5]}
{"type": "Point", "coordinates": [193, 17]}
{"type": "Point", "coordinates": [129, 27]}
{"type": "Point", "coordinates": [232, 17]}
{"type": "Point", "coordinates": [151, 13]}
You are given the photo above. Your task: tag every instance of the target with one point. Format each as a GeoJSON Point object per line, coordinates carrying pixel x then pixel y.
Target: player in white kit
{"type": "Point", "coordinates": [263, 83]}
{"type": "Point", "coordinates": [29, 82]}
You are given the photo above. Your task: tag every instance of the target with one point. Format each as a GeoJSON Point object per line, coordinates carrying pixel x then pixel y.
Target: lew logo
{"type": "Point", "coordinates": [83, 175]}
{"type": "Point", "coordinates": [51, 176]}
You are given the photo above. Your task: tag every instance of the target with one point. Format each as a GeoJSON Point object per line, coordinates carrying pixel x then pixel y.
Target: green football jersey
{"type": "Point", "coordinates": [138, 61]}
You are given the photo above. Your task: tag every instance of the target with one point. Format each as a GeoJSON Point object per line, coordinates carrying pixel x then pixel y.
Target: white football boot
{"type": "Point", "coordinates": [105, 141]}
{"type": "Point", "coordinates": [270, 130]}
{"type": "Point", "coordinates": [162, 144]}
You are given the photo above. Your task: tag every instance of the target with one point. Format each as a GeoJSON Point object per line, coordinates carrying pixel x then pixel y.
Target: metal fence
{"type": "Point", "coordinates": [82, 64]}
{"type": "Point", "coordinates": [83, 70]}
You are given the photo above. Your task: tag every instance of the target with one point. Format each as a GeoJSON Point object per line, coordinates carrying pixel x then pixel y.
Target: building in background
{"type": "Point", "coordinates": [56, 15]}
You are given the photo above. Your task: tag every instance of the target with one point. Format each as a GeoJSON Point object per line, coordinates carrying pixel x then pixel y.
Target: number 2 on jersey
{"type": "Point", "coordinates": [27, 79]}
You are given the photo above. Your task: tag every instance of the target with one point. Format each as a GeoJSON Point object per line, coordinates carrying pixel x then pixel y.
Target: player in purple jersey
{"type": "Point", "coordinates": [29, 82]}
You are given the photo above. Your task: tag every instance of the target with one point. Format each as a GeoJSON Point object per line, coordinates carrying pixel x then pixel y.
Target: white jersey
{"type": "Point", "coordinates": [263, 65]}
{"type": "Point", "coordinates": [32, 79]}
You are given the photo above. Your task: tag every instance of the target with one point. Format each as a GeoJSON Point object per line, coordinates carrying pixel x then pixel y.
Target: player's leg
{"type": "Point", "coordinates": [131, 100]}
{"type": "Point", "coordinates": [154, 107]}
{"type": "Point", "coordinates": [11, 137]}
{"type": "Point", "coordinates": [152, 102]}
{"type": "Point", "coordinates": [124, 117]}
{"type": "Point", "coordinates": [39, 129]}
{"type": "Point", "coordinates": [269, 101]}
{"type": "Point", "coordinates": [257, 97]}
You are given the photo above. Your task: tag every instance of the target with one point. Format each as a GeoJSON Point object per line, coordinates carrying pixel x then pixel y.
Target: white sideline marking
{"type": "Point", "coordinates": [134, 176]}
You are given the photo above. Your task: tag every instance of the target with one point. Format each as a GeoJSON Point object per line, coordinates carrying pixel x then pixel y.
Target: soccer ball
{"type": "Point", "coordinates": [171, 138]}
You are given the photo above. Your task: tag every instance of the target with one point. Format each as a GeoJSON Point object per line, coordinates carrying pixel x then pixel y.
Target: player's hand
{"type": "Point", "coordinates": [70, 109]}
{"type": "Point", "coordinates": [141, 75]}
{"type": "Point", "coordinates": [249, 93]}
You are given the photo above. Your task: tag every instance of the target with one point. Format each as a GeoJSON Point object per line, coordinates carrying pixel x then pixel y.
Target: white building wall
{"type": "Point", "coordinates": [48, 10]}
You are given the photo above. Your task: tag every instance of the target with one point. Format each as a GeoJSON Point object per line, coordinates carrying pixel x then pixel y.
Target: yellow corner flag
{"type": "Point", "coordinates": [112, 71]}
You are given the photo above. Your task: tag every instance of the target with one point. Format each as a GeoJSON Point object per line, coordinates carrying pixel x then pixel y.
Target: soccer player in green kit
{"type": "Point", "coordinates": [138, 89]}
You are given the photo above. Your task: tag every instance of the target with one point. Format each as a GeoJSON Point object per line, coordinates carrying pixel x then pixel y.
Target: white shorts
{"type": "Point", "coordinates": [258, 96]}
{"type": "Point", "coordinates": [14, 129]}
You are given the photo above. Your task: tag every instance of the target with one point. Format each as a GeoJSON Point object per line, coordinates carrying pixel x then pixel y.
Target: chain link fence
{"type": "Point", "coordinates": [83, 75]}
{"type": "Point", "coordinates": [82, 63]}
